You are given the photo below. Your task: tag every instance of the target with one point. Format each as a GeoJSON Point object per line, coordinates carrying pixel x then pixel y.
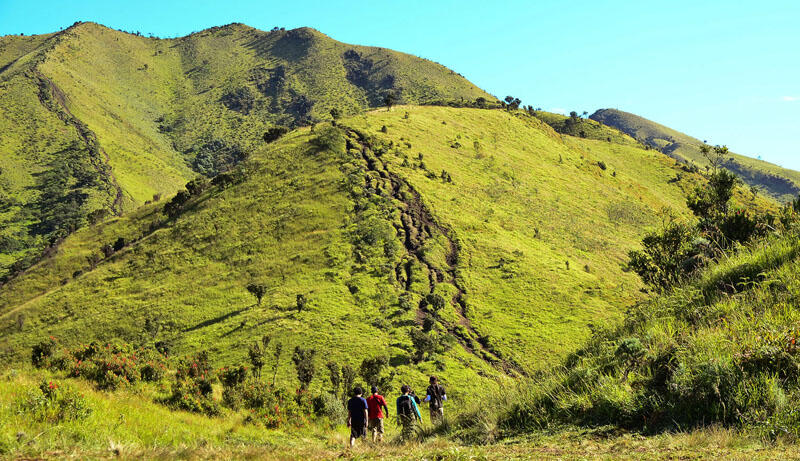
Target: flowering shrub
{"type": "Point", "coordinates": [192, 389]}
{"type": "Point", "coordinates": [188, 394]}
{"type": "Point", "coordinates": [53, 403]}
{"type": "Point", "coordinates": [110, 366]}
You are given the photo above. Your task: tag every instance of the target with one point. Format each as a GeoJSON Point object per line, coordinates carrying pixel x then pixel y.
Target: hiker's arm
{"type": "Point", "coordinates": [366, 416]}
{"type": "Point", "coordinates": [386, 408]}
{"type": "Point", "coordinates": [349, 418]}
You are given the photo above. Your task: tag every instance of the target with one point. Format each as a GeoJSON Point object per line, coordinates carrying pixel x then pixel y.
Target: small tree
{"type": "Point", "coordinates": [277, 360]}
{"type": "Point", "coordinates": [372, 371]}
{"type": "Point", "coordinates": [335, 374]}
{"type": "Point", "coordinates": [512, 103]}
{"type": "Point", "coordinates": [348, 380]}
{"type": "Point", "coordinates": [389, 100]}
{"type": "Point", "coordinates": [258, 354]}
{"type": "Point", "coordinates": [258, 291]}
{"type": "Point", "coordinates": [304, 364]}
{"type": "Point", "coordinates": [714, 155]}
{"type": "Point", "coordinates": [301, 302]}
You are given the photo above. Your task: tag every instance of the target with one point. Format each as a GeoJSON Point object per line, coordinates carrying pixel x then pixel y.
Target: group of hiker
{"type": "Point", "coordinates": [365, 415]}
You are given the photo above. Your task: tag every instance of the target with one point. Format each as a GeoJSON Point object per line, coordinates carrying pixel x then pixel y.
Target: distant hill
{"type": "Point", "coordinates": [780, 183]}
{"type": "Point", "coordinates": [94, 121]}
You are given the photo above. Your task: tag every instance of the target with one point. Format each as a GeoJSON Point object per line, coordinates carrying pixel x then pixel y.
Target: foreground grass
{"type": "Point", "coordinates": [127, 425]}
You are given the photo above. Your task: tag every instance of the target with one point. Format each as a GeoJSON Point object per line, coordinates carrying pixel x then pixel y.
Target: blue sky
{"type": "Point", "coordinates": [726, 71]}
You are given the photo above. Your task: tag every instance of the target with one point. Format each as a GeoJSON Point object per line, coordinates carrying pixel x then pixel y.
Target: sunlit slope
{"type": "Point", "coordinates": [780, 183]}
{"type": "Point", "coordinates": [528, 240]}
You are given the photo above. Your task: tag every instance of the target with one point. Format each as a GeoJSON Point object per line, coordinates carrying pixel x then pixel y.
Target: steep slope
{"type": "Point", "coordinates": [521, 234]}
{"type": "Point", "coordinates": [135, 117]}
{"type": "Point", "coordinates": [779, 183]}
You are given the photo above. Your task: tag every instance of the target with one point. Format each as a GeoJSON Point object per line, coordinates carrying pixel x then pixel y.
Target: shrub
{"type": "Point", "coordinates": [281, 408]}
{"type": "Point", "coordinates": [335, 375]}
{"type": "Point", "coordinates": [42, 352]}
{"type": "Point", "coordinates": [433, 303]}
{"type": "Point", "coordinates": [53, 403]}
{"type": "Point", "coordinates": [330, 139]}
{"type": "Point", "coordinates": [275, 133]}
{"type": "Point", "coordinates": [192, 389]}
{"type": "Point", "coordinates": [329, 406]}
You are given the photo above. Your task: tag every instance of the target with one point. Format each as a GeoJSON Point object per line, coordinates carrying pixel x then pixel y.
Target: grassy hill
{"type": "Point", "coordinates": [95, 121]}
{"type": "Point", "coordinates": [719, 350]}
{"type": "Point", "coordinates": [365, 228]}
{"type": "Point", "coordinates": [779, 183]}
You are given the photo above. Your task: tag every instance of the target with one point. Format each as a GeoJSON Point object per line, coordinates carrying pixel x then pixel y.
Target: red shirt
{"type": "Point", "coordinates": [375, 402]}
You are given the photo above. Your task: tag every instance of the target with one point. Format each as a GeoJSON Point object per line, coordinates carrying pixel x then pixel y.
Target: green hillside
{"type": "Point", "coordinates": [779, 183]}
{"type": "Point", "coordinates": [365, 230]}
{"type": "Point", "coordinates": [95, 121]}
{"type": "Point", "coordinates": [721, 349]}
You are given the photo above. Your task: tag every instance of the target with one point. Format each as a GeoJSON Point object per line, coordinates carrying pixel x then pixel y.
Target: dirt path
{"type": "Point", "coordinates": [419, 225]}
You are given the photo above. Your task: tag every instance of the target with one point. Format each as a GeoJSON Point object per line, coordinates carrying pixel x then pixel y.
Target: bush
{"type": "Point", "coordinates": [328, 406]}
{"type": "Point", "coordinates": [42, 352]}
{"type": "Point", "coordinates": [53, 403]}
{"type": "Point", "coordinates": [330, 139]}
{"type": "Point", "coordinates": [192, 389]}
{"type": "Point", "coordinates": [281, 408]}
{"type": "Point", "coordinates": [275, 133]}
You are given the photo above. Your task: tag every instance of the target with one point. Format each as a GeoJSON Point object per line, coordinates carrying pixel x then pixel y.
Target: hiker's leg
{"type": "Point", "coordinates": [379, 429]}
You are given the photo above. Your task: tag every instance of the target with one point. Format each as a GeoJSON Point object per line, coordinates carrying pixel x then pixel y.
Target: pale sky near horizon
{"type": "Point", "coordinates": [723, 71]}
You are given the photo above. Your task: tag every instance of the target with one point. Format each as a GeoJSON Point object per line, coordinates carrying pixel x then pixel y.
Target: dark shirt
{"type": "Point", "coordinates": [356, 407]}
{"type": "Point", "coordinates": [437, 395]}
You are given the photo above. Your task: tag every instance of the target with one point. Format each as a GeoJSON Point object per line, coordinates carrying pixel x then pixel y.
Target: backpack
{"type": "Point", "coordinates": [436, 392]}
{"type": "Point", "coordinates": [405, 407]}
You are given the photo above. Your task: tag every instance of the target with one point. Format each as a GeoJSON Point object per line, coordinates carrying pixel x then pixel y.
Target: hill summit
{"type": "Point", "coordinates": [95, 121]}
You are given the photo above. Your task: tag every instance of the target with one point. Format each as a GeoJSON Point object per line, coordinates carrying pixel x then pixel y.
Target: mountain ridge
{"type": "Point", "coordinates": [780, 183]}
{"type": "Point", "coordinates": [158, 112]}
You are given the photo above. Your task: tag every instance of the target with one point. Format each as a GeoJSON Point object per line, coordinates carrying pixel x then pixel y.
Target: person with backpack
{"type": "Point", "coordinates": [436, 397]}
{"type": "Point", "coordinates": [407, 412]}
{"type": "Point", "coordinates": [357, 416]}
{"type": "Point", "coordinates": [376, 405]}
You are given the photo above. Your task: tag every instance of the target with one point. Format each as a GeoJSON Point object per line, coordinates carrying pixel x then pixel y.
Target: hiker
{"type": "Point", "coordinates": [357, 416]}
{"type": "Point", "coordinates": [407, 412]}
{"type": "Point", "coordinates": [436, 397]}
{"type": "Point", "coordinates": [377, 406]}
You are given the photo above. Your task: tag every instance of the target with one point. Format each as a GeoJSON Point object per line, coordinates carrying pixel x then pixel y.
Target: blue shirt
{"type": "Point", "coordinates": [357, 406]}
